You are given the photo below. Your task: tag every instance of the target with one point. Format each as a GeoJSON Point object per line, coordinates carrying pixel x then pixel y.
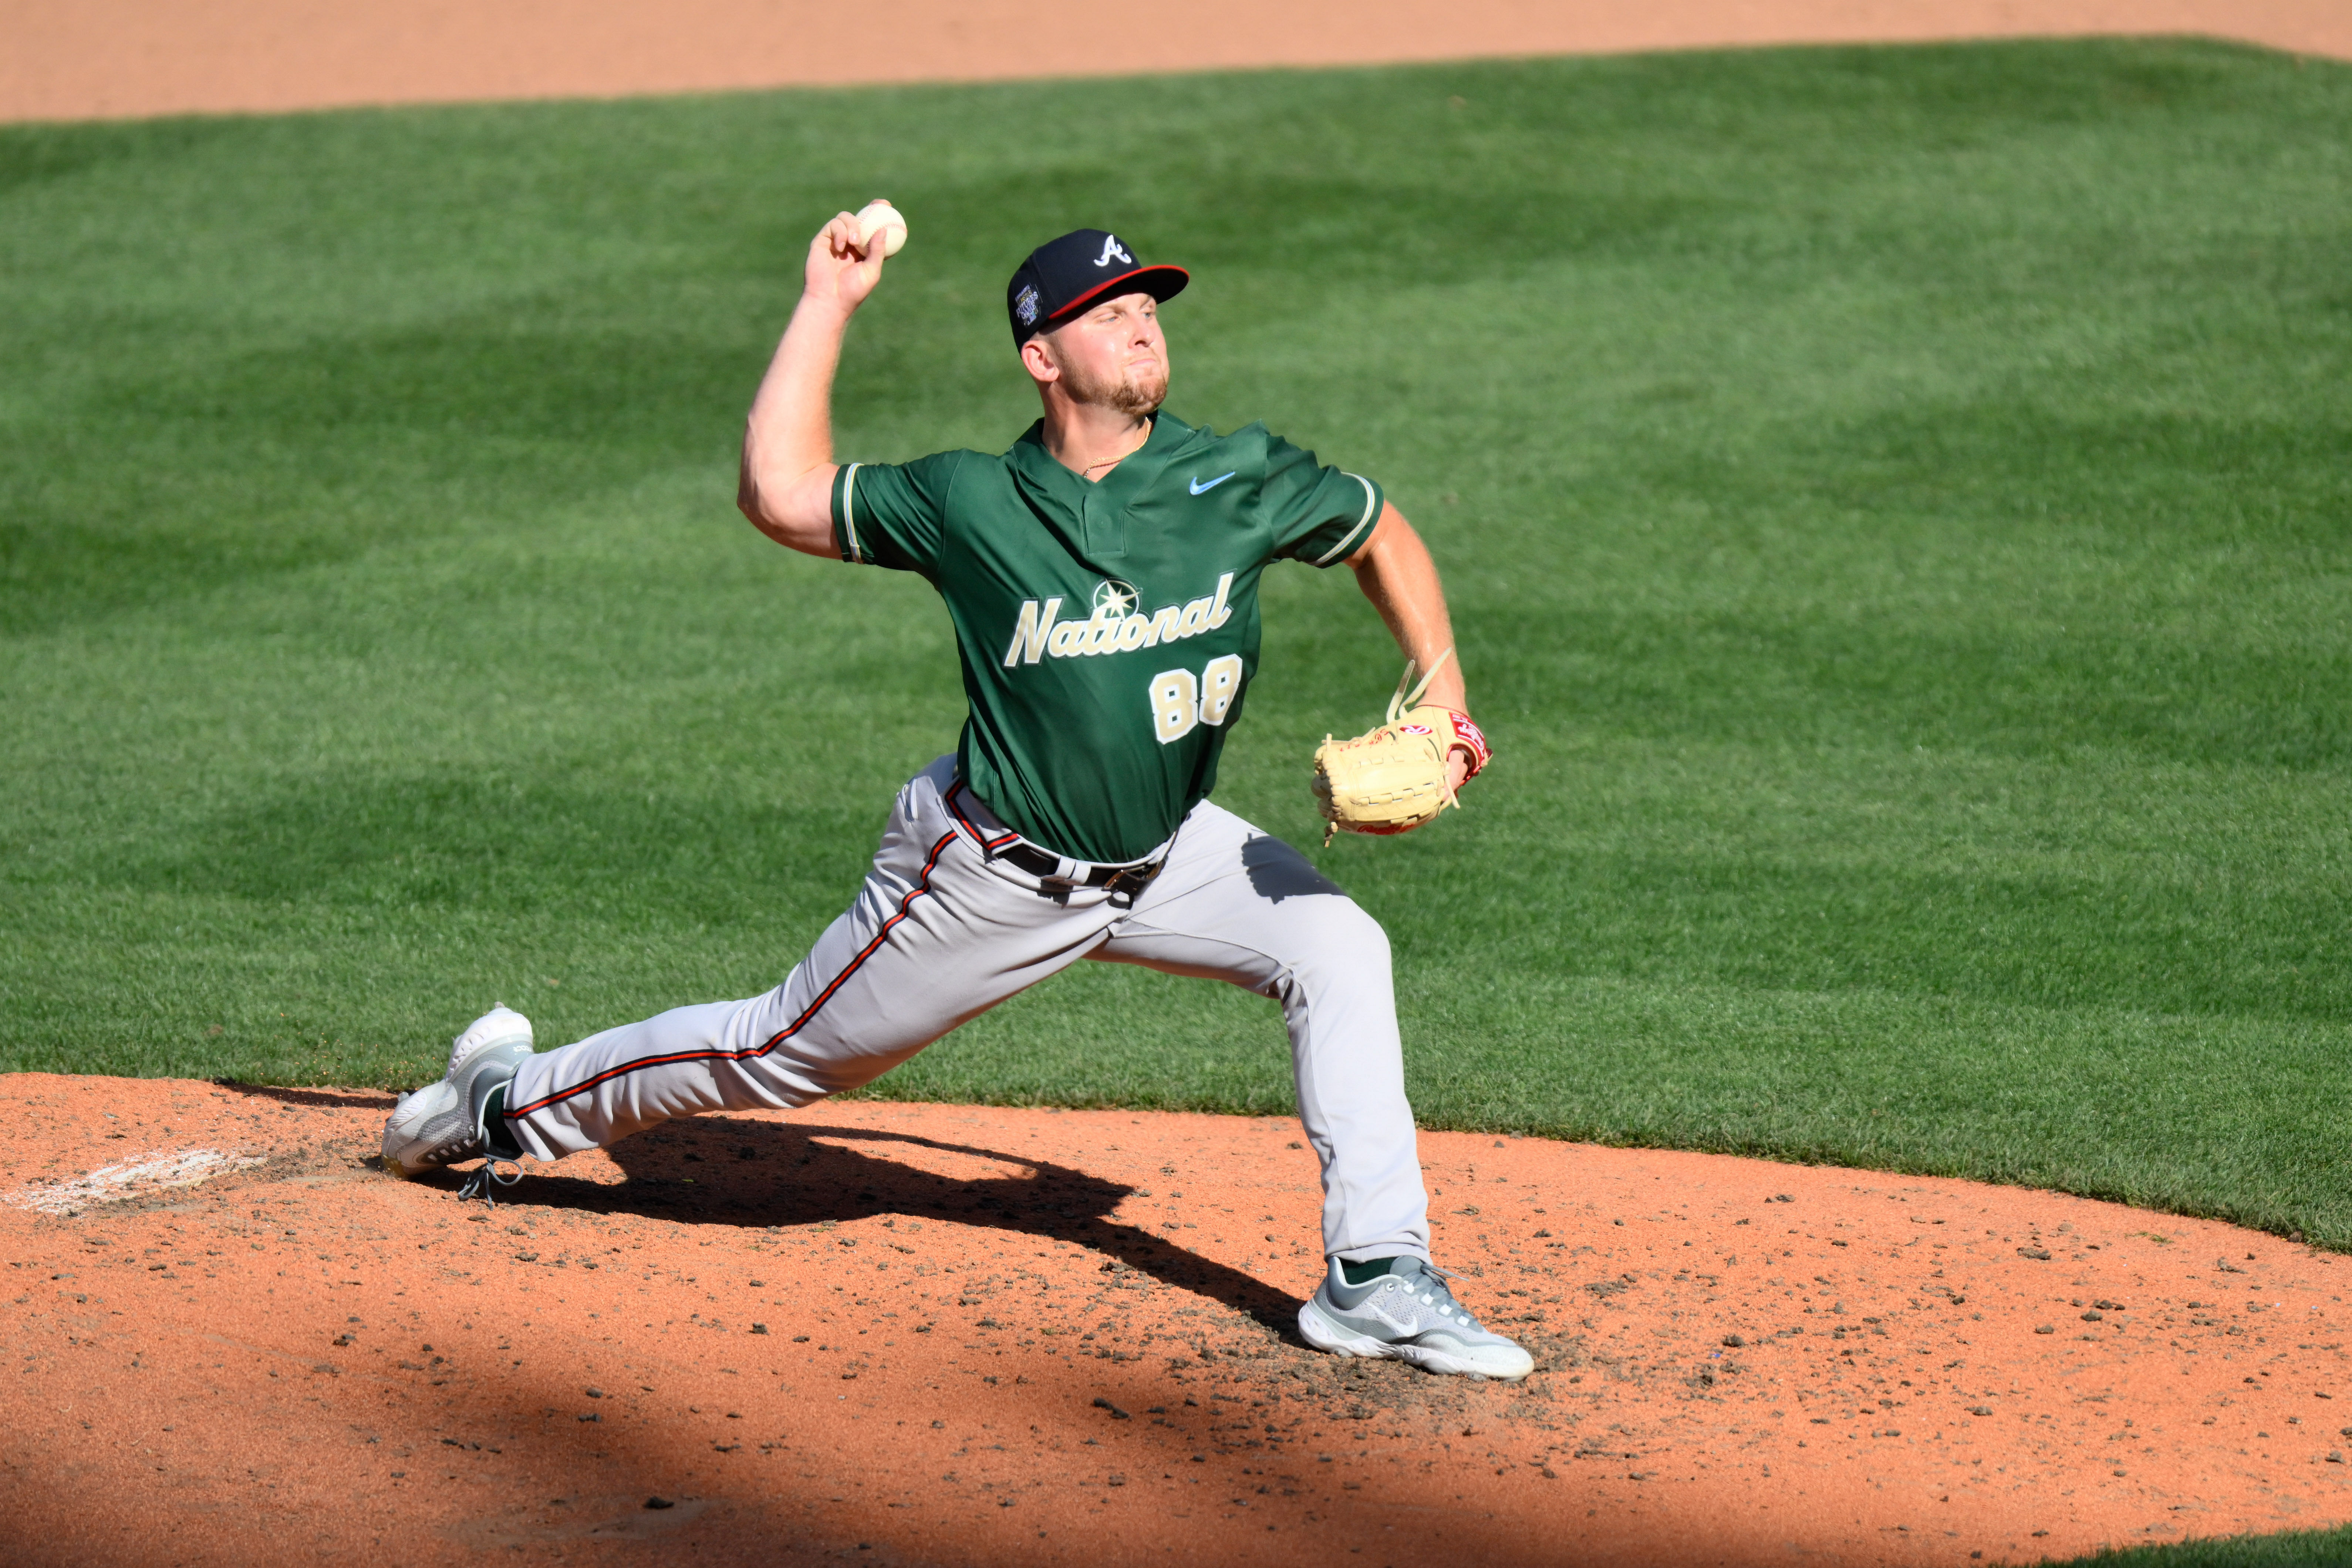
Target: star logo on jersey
{"type": "Point", "coordinates": [1114, 599]}
{"type": "Point", "coordinates": [1111, 247]}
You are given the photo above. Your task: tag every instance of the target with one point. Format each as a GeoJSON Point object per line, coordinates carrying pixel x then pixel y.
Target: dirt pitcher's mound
{"type": "Point", "coordinates": [941, 1335]}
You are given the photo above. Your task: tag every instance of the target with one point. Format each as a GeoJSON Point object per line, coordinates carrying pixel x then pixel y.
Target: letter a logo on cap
{"type": "Point", "coordinates": [1065, 276]}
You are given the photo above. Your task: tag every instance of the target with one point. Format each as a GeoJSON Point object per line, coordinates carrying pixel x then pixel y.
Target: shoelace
{"type": "Point", "coordinates": [1443, 1297]}
{"type": "Point", "coordinates": [483, 1184]}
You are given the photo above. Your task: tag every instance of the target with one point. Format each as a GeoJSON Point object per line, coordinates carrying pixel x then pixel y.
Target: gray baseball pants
{"type": "Point", "coordinates": [945, 928]}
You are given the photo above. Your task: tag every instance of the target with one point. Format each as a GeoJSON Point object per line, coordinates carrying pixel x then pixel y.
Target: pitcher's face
{"type": "Point", "coordinates": [1113, 355]}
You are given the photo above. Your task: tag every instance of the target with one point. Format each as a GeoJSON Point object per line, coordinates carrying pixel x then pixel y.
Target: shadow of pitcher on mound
{"type": "Point", "coordinates": [716, 1169]}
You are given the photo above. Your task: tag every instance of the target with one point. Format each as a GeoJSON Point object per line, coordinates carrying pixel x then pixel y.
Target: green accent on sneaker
{"type": "Point", "coordinates": [1363, 1273]}
{"type": "Point", "coordinates": [495, 1136]}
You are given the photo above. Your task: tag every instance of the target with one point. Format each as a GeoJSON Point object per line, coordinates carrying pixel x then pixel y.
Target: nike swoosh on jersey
{"type": "Point", "coordinates": [1200, 488]}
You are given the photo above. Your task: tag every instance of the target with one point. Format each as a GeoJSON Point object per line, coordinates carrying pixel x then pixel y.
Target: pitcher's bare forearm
{"type": "Point", "coordinates": [785, 484]}
{"type": "Point", "coordinates": [1396, 574]}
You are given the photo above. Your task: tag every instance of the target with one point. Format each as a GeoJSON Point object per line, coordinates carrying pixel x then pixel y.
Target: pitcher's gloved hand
{"type": "Point", "coordinates": [1396, 777]}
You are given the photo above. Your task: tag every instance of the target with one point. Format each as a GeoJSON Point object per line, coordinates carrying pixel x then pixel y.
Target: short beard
{"type": "Point", "coordinates": [1127, 395]}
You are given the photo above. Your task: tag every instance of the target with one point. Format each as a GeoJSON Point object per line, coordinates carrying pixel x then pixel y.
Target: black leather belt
{"type": "Point", "coordinates": [1118, 879]}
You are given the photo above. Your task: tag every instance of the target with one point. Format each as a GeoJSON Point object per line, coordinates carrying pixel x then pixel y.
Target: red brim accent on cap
{"type": "Point", "coordinates": [1159, 281]}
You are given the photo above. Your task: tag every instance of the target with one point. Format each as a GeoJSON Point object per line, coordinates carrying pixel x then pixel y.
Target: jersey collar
{"type": "Point", "coordinates": [1045, 478]}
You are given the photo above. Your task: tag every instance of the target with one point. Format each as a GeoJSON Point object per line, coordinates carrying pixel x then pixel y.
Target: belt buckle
{"type": "Point", "coordinates": [1131, 880]}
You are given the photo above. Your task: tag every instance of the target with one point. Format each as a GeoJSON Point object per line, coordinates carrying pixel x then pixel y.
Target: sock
{"type": "Point", "coordinates": [497, 1137]}
{"type": "Point", "coordinates": [1364, 1273]}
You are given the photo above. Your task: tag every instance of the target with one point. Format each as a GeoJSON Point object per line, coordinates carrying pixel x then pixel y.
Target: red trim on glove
{"type": "Point", "coordinates": [1469, 738]}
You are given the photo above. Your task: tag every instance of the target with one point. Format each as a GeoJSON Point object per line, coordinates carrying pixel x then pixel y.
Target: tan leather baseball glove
{"type": "Point", "coordinates": [1393, 778]}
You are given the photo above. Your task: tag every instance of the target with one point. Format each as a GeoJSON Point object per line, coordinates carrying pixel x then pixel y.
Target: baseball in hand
{"type": "Point", "coordinates": [879, 217]}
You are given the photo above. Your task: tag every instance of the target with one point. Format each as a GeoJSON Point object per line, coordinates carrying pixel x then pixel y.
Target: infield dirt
{"type": "Point", "coordinates": [922, 1333]}
{"type": "Point", "coordinates": [73, 59]}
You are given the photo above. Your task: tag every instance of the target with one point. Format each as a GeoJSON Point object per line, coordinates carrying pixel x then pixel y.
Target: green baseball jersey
{"type": "Point", "coordinates": [1108, 630]}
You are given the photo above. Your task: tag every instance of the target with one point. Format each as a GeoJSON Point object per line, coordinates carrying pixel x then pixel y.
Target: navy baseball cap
{"type": "Point", "coordinates": [1063, 276]}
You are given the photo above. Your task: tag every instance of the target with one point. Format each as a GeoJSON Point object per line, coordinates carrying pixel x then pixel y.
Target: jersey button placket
{"type": "Point", "coordinates": [1106, 526]}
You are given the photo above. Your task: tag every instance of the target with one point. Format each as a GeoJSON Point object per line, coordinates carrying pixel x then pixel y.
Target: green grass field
{"type": "Point", "coordinates": [1898, 506]}
{"type": "Point", "coordinates": [2303, 1549]}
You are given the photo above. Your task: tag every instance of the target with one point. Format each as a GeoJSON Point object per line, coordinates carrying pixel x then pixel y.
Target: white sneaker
{"type": "Point", "coordinates": [442, 1123]}
{"type": "Point", "coordinates": [1407, 1314]}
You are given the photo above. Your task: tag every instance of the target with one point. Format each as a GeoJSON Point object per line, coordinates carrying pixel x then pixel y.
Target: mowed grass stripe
{"type": "Point", "coordinates": [1894, 502]}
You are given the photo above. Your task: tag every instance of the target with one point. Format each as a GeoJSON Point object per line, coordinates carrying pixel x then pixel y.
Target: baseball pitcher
{"type": "Point", "coordinates": [1102, 576]}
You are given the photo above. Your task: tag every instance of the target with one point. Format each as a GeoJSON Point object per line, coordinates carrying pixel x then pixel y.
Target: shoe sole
{"type": "Point", "coordinates": [523, 1036]}
{"type": "Point", "coordinates": [1324, 1333]}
